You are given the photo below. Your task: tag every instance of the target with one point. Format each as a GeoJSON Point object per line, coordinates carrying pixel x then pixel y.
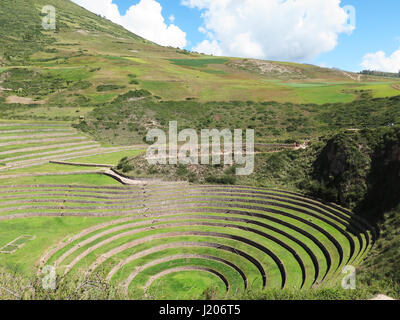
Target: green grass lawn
{"type": "Point", "coordinates": [86, 179]}
{"type": "Point", "coordinates": [186, 285]}
{"type": "Point", "coordinates": [48, 232]}
{"type": "Point", "coordinates": [199, 63]}
{"type": "Point", "coordinates": [108, 158]}
{"type": "Point", "coordinates": [47, 168]}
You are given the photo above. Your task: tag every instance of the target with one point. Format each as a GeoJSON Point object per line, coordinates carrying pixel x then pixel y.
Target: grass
{"type": "Point", "coordinates": [324, 94]}
{"type": "Point", "coordinates": [20, 156]}
{"type": "Point", "coordinates": [56, 113]}
{"type": "Point", "coordinates": [170, 283]}
{"type": "Point", "coordinates": [274, 275]}
{"type": "Point", "coordinates": [13, 148]}
{"type": "Point", "coordinates": [66, 67]}
{"type": "Point", "coordinates": [198, 63]}
{"type": "Point", "coordinates": [88, 179]}
{"type": "Point", "coordinates": [381, 90]}
{"type": "Point", "coordinates": [243, 264]}
{"type": "Point", "coordinates": [32, 155]}
{"type": "Point", "coordinates": [188, 285]}
{"type": "Point", "coordinates": [110, 158]}
{"type": "Point", "coordinates": [290, 263]}
{"type": "Point", "coordinates": [194, 286]}
{"type": "Point", "coordinates": [48, 232]}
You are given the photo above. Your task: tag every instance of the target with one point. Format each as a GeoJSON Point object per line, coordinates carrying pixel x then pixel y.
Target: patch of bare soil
{"type": "Point", "coordinates": [3, 77]}
{"type": "Point", "coordinates": [136, 99]}
{"type": "Point", "coordinates": [382, 297]}
{"type": "Point", "coordinates": [23, 100]}
{"type": "Point", "coordinates": [84, 32]}
{"type": "Point", "coordinates": [396, 86]}
{"type": "Point", "coordinates": [266, 67]}
{"type": "Point", "coordinates": [3, 89]}
{"type": "Point", "coordinates": [352, 76]}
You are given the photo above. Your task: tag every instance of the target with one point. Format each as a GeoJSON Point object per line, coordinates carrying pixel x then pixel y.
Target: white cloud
{"type": "Point", "coordinates": [209, 47]}
{"type": "Point", "coordinates": [271, 29]}
{"type": "Point", "coordinates": [144, 19]}
{"type": "Point", "coordinates": [102, 7]}
{"type": "Point", "coordinates": [202, 30]}
{"type": "Point", "coordinates": [380, 62]}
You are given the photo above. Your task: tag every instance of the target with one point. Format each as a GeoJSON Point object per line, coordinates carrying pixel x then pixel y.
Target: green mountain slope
{"type": "Point", "coordinates": [89, 60]}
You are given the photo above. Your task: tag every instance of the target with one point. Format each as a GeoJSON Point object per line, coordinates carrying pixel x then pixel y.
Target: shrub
{"type": "Point", "coordinates": [225, 179]}
{"type": "Point", "coordinates": [109, 87]}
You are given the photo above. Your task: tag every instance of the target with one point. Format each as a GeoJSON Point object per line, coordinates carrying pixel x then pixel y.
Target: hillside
{"type": "Point", "coordinates": [88, 61]}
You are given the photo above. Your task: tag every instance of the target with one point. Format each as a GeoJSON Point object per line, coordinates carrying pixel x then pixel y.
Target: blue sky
{"type": "Point", "coordinates": [377, 29]}
{"type": "Point", "coordinates": [187, 19]}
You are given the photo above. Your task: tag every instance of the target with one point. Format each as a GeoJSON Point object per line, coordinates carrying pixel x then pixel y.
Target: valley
{"type": "Point", "coordinates": [77, 194]}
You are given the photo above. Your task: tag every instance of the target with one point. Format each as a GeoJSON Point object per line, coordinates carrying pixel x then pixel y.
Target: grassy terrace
{"type": "Point", "coordinates": [25, 145]}
{"type": "Point", "coordinates": [159, 239]}
{"type": "Point", "coordinates": [150, 239]}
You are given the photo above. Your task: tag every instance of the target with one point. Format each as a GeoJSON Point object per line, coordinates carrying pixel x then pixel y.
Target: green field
{"type": "Point", "coordinates": [200, 237]}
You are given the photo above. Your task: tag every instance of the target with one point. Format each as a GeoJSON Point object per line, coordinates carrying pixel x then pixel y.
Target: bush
{"type": "Point", "coordinates": [109, 87]}
{"type": "Point", "coordinates": [132, 94]}
{"type": "Point", "coordinates": [124, 165]}
{"type": "Point", "coordinates": [225, 179]}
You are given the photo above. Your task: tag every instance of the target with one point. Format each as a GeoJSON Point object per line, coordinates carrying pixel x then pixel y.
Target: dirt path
{"type": "Point", "coordinates": [143, 181]}
{"type": "Point", "coordinates": [352, 76]}
{"type": "Point", "coordinates": [23, 100]}
{"type": "Point", "coordinates": [382, 296]}
{"type": "Point", "coordinates": [127, 181]}
{"type": "Point", "coordinates": [3, 89]}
